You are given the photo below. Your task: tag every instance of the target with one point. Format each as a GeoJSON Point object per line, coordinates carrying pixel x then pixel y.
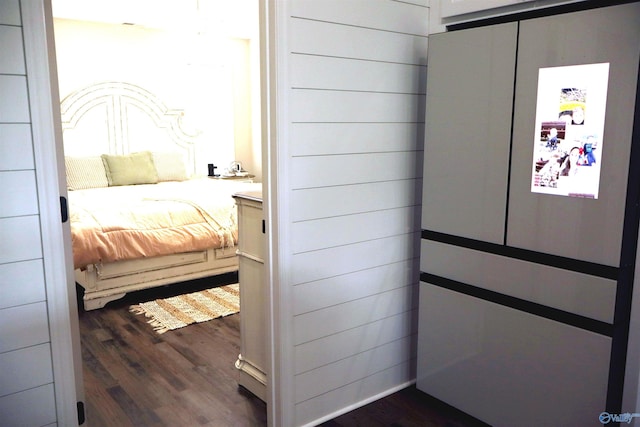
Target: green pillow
{"type": "Point", "coordinates": [135, 168]}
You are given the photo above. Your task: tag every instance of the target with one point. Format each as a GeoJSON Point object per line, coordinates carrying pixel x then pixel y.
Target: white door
{"type": "Point", "coordinates": [44, 106]}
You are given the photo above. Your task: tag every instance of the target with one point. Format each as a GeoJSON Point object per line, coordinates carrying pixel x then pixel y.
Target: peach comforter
{"type": "Point", "coordinates": [137, 221]}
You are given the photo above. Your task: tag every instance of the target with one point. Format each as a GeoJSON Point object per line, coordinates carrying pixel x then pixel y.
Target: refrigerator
{"type": "Point", "coordinates": [530, 217]}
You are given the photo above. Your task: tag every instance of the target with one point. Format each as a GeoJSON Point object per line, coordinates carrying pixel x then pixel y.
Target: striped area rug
{"type": "Point", "coordinates": [177, 312]}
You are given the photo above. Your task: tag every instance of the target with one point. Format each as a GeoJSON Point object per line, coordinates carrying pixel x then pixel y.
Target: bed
{"type": "Point", "coordinates": [140, 216]}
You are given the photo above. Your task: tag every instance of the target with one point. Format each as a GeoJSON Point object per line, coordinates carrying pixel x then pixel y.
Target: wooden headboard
{"type": "Point", "coordinates": [122, 118]}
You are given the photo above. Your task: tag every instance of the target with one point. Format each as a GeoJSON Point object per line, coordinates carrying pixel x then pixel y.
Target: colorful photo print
{"type": "Point", "coordinates": [568, 143]}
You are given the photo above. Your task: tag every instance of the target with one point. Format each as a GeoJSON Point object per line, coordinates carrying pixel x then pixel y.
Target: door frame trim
{"type": "Point", "coordinates": [46, 131]}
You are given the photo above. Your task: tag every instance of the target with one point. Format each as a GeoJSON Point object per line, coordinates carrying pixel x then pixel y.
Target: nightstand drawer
{"type": "Point", "coordinates": [250, 228]}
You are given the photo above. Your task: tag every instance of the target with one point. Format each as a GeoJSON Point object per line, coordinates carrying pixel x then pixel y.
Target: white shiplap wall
{"type": "Point", "coordinates": [355, 92]}
{"type": "Point", "coordinates": [26, 374]}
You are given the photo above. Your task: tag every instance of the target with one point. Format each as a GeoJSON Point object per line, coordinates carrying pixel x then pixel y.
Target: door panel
{"type": "Point", "coordinates": [466, 155]}
{"type": "Point", "coordinates": [579, 228]}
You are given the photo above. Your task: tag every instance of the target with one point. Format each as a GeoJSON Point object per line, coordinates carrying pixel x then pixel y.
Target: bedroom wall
{"type": "Point", "coordinates": [196, 73]}
{"type": "Point", "coordinates": [353, 77]}
{"type": "Point", "coordinates": [247, 143]}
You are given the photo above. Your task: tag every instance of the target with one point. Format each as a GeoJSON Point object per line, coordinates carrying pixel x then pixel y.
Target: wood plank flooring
{"type": "Point", "coordinates": [136, 377]}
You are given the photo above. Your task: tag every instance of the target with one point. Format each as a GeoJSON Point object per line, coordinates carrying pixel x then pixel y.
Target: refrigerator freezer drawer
{"type": "Point", "coordinates": [507, 367]}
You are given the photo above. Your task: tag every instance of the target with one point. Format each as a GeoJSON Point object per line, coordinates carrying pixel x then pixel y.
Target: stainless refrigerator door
{"type": "Point", "coordinates": [506, 332]}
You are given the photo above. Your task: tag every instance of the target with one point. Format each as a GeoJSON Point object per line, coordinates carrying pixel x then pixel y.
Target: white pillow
{"type": "Point", "coordinates": [85, 172]}
{"type": "Point", "coordinates": [170, 166]}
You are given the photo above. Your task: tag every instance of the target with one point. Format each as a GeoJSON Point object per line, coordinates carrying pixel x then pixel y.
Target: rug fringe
{"type": "Point", "coordinates": [157, 326]}
{"type": "Point", "coordinates": [136, 309]}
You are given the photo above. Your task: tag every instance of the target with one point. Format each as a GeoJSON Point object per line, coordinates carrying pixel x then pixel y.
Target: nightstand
{"type": "Point", "coordinates": [252, 361]}
{"type": "Point", "coordinates": [246, 178]}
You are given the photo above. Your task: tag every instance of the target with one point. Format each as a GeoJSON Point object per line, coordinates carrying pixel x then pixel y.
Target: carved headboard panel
{"type": "Point", "coordinates": [122, 118]}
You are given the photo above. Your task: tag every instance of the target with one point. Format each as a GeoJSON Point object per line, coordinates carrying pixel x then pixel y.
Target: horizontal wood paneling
{"type": "Point", "coordinates": [339, 106]}
{"type": "Point", "coordinates": [14, 88]}
{"type": "Point", "coordinates": [349, 258]}
{"type": "Point", "coordinates": [355, 101]}
{"type": "Point", "coordinates": [21, 283]}
{"type": "Point", "coordinates": [425, 3]}
{"type": "Point", "coordinates": [27, 396]}
{"type": "Point", "coordinates": [335, 375]}
{"type": "Point", "coordinates": [20, 188]}
{"type": "Point", "coordinates": [23, 326]}
{"type": "Point", "coordinates": [11, 55]}
{"type": "Point", "coordinates": [349, 395]}
{"type": "Point", "coordinates": [20, 239]}
{"type": "Point", "coordinates": [33, 407]}
{"type": "Point", "coordinates": [342, 230]}
{"type": "Point", "coordinates": [16, 151]}
{"type": "Point", "coordinates": [336, 290]}
{"type": "Point", "coordinates": [339, 346]}
{"type": "Point", "coordinates": [382, 14]}
{"type": "Point", "coordinates": [322, 171]}
{"type": "Point", "coordinates": [322, 38]}
{"type": "Point", "coordinates": [349, 138]}
{"type": "Point", "coordinates": [350, 199]}
{"type": "Point", "coordinates": [25, 368]}
{"type": "Point", "coordinates": [9, 12]}
{"type": "Point", "coordinates": [347, 74]}
{"type": "Point", "coordinates": [330, 320]}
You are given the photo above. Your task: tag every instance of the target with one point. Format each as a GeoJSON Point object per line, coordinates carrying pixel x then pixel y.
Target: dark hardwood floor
{"type": "Point", "coordinates": [136, 377]}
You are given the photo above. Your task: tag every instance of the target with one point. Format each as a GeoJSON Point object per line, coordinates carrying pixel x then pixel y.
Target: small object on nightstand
{"type": "Point", "coordinates": [212, 169]}
{"type": "Point", "coordinates": [238, 178]}
{"type": "Point", "coordinates": [235, 167]}
{"type": "Point", "coordinates": [236, 172]}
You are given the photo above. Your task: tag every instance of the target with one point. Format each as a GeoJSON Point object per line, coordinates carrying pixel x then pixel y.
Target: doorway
{"type": "Point", "coordinates": [69, 17]}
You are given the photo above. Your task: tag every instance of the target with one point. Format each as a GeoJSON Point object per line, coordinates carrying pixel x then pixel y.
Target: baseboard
{"type": "Point", "coordinates": [361, 403]}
